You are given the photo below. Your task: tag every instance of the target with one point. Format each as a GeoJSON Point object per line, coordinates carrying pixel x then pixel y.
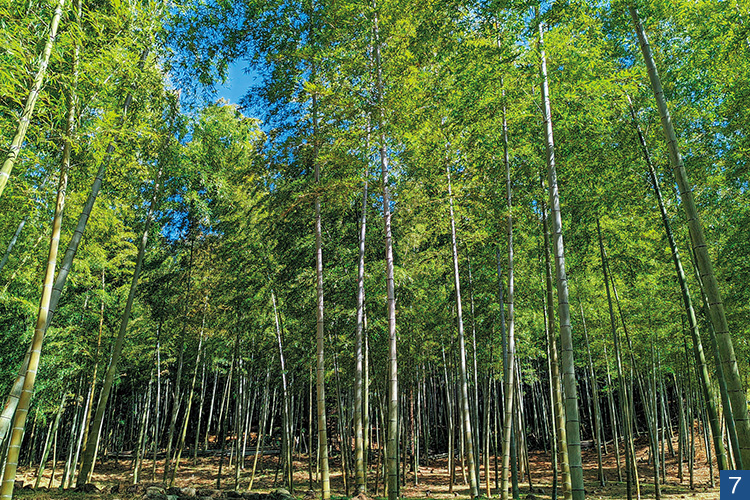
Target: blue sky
{"type": "Point", "coordinates": [237, 83]}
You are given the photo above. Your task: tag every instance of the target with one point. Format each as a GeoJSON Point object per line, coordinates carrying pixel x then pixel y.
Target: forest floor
{"type": "Point", "coordinates": [433, 478]}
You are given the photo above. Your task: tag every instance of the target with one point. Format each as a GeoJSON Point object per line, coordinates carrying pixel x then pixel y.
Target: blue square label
{"type": "Point", "coordinates": [734, 484]}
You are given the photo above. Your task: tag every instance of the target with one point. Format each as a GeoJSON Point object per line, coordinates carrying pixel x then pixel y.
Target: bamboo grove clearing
{"type": "Point", "coordinates": [438, 249]}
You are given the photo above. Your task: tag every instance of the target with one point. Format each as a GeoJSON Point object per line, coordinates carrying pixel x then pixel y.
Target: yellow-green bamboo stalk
{"type": "Point", "coordinates": [28, 109]}
{"type": "Point", "coordinates": [183, 432]}
{"type": "Point", "coordinates": [13, 241]}
{"type": "Point", "coordinates": [572, 422]}
{"type": "Point", "coordinates": [359, 432]}
{"type": "Point", "coordinates": [392, 384]}
{"type": "Point", "coordinates": [737, 394]}
{"type": "Point", "coordinates": [19, 420]}
{"type": "Point", "coordinates": [51, 432]}
{"type": "Point", "coordinates": [15, 394]}
{"type": "Point", "coordinates": [465, 411]}
{"type": "Point", "coordinates": [10, 406]}
{"type": "Point", "coordinates": [89, 453]}
{"type": "Point", "coordinates": [510, 381]}
{"type": "Point", "coordinates": [319, 315]}
{"type": "Point", "coordinates": [557, 397]}
{"type": "Point", "coordinates": [700, 357]}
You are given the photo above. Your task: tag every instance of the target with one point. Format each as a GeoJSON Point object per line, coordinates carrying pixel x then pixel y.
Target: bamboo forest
{"type": "Point", "coordinates": [429, 249]}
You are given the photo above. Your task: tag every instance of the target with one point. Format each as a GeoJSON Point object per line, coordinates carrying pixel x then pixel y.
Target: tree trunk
{"type": "Point", "coordinates": [573, 430]}
{"type": "Point", "coordinates": [487, 414]}
{"type": "Point", "coordinates": [597, 417]}
{"type": "Point", "coordinates": [211, 409]}
{"type": "Point", "coordinates": [200, 414]}
{"type": "Point", "coordinates": [158, 400]}
{"type": "Point", "coordinates": [655, 424]}
{"type": "Point", "coordinates": [176, 392]}
{"type": "Point", "coordinates": [310, 423]}
{"type": "Point", "coordinates": [28, 110]}
{"type": "Point", "coordinates": [24, 401]}
{"type": "Point", "coordinates": [262, 417]}
{"type": "Point", "coordinates": [93, 439]}
{"type": "Point", "coordinates": [183, 432]}
{"type": "Point", "coordinates": [366, 397]}
{"type": "Point", "coordinates": [392, 434]}
{"type": "Point", "coordinates": [12, 242]}
{"type": "Point", "coordinates": [700, 357]}
{"type": "Point", "coordinates": [238, 403]}
{"type": "Point", "coordinates": [247, 416]}
{"type": "Point", "coordinates": [632, 421]}
{"type": "Point", "coordinates": [286, 435]}
{"type": "Point", "coordinates": [54, 456]}
{"type": "Point", "coordinates": [51, 432]}
{"type": "Point", "coordinates": [140, 444]}
{"type": "Point", "coordinates": [176, 403]}
{"type": "Point", "coordinates": [344, 445]}
{"type": "Point", "coordinates": [465, 411]}
{"type": "Point", "coordinates": [613, 416]}
{"type": "Point", "coordinates": [510, 382]}
{"type": "Point", "coordinates": [737, 394]}
{"type": "Point", "coordinates": [475, 402]}
{"type": "Point", "coordinates": [92, 388]}
{"type": "Point", "coordinates": [557, 397]}
{"type": "Point", "coordinates": [451, 427]}
{"type": "Point", "coordinates": [553, 415]}
{"type": "Point", "coordinates": [224, 410]}
{"type": "Point", "coordinates": [359, 438]}
{"type": "Point", "coordinates": [79, 441]}
{"type": "Point", "coordinates": [622, 390]}
{"type": "Point", "coordinates": [12, 403]}
{"type": "Point", "coordinates": [504, 341]}
{"type": "Point", "coordinates": [320, 373]}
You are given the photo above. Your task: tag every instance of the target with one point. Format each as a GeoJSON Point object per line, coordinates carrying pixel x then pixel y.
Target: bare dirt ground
{"type": "Point", "coordinates": [432, 481]}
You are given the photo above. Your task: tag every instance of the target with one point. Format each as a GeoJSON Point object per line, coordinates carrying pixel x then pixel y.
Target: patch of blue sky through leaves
{"type": "Point", "coordinates": [239, 81]}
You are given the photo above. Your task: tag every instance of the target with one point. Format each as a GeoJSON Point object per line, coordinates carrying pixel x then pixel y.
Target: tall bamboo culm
{"type": "Point", "coordinates": [28, 110]}
{"type": "Point", "coordinates": [558, 409]}
{"type": "Point", "coordinates": [465, 410]}
{"type": "Point", "coordinates": [89, 452]}
{"type": "Point", "coordinates": [392, 483]}
{"type": "Point", "coordinates": [320, 369]}
{"type": "Point", "coordinates": [700, 358]}
{"type": "Point", "coordinates": [359, 437]}
{"type": "Point", "coordinates": [510, 359]}
{"type": "Point", "coordinates": [24, 401]}
{"type": "Point", "coordinates": [737, 394]}
{"type": "Point", "coordinates": [572, 423]}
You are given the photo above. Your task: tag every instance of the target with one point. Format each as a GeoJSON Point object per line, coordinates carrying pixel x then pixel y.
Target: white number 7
{"type": "Point", "coordinates": [736, 483]}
